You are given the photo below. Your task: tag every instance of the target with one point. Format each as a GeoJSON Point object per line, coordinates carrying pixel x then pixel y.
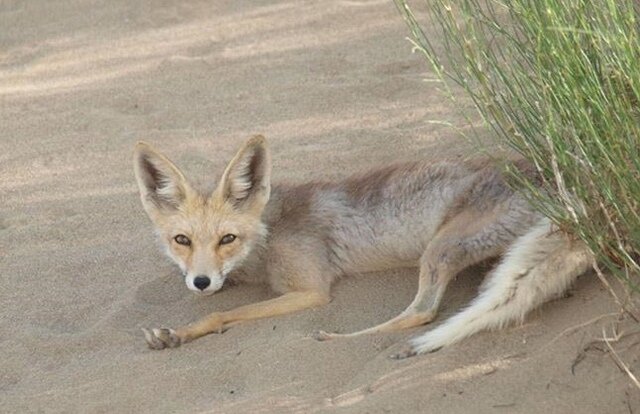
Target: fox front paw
{"type": "Point", "coordinates": [161, 338]}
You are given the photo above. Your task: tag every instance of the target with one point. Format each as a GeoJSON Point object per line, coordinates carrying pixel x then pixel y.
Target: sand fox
{"type": "Point", "coordinates": [442, 217]}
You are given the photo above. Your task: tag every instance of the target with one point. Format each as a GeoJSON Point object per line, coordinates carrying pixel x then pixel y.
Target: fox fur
{"type": "Point", "coordinates": [441, 217]}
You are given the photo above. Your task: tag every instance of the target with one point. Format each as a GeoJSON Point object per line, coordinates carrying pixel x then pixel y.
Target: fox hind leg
{"type": "Point", "coordinates": [540, 265]}
{"type": "Point", "coordinates": [466, 239]}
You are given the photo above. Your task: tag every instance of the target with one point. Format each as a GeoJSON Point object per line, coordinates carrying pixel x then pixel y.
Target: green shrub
{"type": "Point", "coordinates": [559, 81]}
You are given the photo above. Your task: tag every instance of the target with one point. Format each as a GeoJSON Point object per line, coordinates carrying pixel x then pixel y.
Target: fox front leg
{"type": "Point", "coordinates": [216, 322]}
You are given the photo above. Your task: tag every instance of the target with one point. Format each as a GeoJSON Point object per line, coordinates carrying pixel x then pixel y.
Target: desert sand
{"type": "Point", "coordinates": [335, 88]}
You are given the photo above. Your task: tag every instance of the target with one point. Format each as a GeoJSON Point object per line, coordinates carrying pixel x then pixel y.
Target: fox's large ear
{"type": "Point", "coordinates": [246, 183]}
{"type": "Point", "coordinates": [162, 185]}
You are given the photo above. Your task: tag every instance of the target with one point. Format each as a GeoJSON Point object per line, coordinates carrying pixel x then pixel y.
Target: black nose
{"type": "Point", "coordinates": [201, 282]}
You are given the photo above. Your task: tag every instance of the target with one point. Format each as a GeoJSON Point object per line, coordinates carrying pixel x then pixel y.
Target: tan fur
{"type": "Point", "coordinates": [298, 239]}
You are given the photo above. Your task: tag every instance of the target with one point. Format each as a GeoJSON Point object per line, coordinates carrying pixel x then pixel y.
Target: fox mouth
{"type": "Point", "coordinates": [205, 293]}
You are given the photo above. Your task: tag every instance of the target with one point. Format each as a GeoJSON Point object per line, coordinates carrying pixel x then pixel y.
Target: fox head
{"type": "Point", "coordinates": [206, 235]}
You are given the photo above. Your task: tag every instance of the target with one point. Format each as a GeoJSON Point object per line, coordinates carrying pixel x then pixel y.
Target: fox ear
{"type": "Point", "coordinates": [246, 182]}
{"type": "Point", "coordinates": [162, 185]}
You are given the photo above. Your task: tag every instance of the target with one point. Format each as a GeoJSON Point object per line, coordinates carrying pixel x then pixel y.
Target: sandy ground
{"type": "Point", "coordinates": [334, 87]}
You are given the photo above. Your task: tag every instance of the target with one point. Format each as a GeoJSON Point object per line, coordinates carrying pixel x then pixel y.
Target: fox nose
{"type": "Point", "coordinates": [201, 282]}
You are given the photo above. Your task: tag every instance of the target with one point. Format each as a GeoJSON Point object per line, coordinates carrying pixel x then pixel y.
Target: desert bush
{"type": "Point", "coordinates": [559, 82]}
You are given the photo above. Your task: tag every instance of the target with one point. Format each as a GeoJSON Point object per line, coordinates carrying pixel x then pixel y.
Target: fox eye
{"type": "Point", "coordinates": [228, 238]}
{"type": "Point", "coordinates": [182, 239]}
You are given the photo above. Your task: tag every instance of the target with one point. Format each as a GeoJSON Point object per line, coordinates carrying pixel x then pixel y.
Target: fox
{"type": "Point", "coordinates": [440, 217]}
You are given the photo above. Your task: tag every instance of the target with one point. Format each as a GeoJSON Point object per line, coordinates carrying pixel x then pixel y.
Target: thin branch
{"type": "Point", "coordinates": [621, 364]}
